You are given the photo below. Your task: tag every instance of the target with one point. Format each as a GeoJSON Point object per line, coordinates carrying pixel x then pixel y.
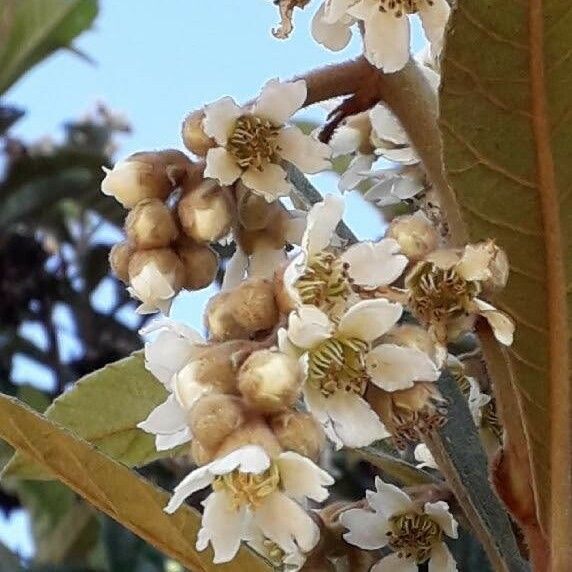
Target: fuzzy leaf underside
{"type": "Point", "coordinates": [506, 121]}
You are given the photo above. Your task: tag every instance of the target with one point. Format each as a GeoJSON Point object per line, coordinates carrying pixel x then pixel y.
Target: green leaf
{"type": "Point", "coordinates": [32, 29]}
{"type": "Point", "coordinates": [104, 408]}
{"type": "Point", "coordinates": [113, 488]}
{"type": "Point", "coordinates": [507, 126]}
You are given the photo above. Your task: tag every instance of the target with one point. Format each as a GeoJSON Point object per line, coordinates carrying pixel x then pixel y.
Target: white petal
{"type": "Point", "coordinates": [294, 270]}
{"type": "Point", "coordinates": [317, 405]}
{"type": "Point", "coordinates": [353, 420]}
{"type": "Point", "coordinates": [286, 523]}
{"type": "Point", "coordinates": [247, 459]}
{"type": "Point", "coordinates": [165, 419]}
{"type": "Point", "coordinates": [301, 478]}
{"type": "Point", "coordinates": [381, 194]}
{"type": "Point", "coordinates": [153, 288]}
{"type": "Point", "coordinates": [220, 118]}
{"type": "Point", "coordinates": [424, 457]}
{"type": "Point", "coordinates": [167, 442]}
{"type": "Point", "coordinates": [308, 326]}
{"type": "Point", "coordinates": [278, 101]}
{"type": "Point", "coordinates": [501, 324]}
{"type": "Point", "coordinates": [345, 140]}
{"type": "Point", "coordinates": [366, 529]}
{"type": "Point", "coordinates": [407, 187]}
{"type": "Point", "coordinates": [235, 269]}
{"type": "Point", "coordinates": [337, 9]}
{"type": "Point", "coordinates": [386, 40]}
{"type": "Point", "coordinates": [186, 389]}
{"type": "Point", "coordinates": [474, 264]}
{"type": "Point", "coordinates": [476, 400]}
{"type": "Point", "coordinates": [442, 560]}
{"type": "Point", "coordinates": [322, 221]}
{"type": "Point", "coordinates": [295, 227]}
{"type": "Point", "coordinates": [393, 563]}
{"type": "Point", "coordinates": [369, 319]}
{"type": "Point", "coordinates": [387, 126]}
{"type": "Point", "coordinates": [393, 367]}
{"type": "Point", "coordinates": [357, 171]}
{"type": "Point", "coordinates": [222, 526]}
{"type": "Point", "coordinates": [195, 481]}
{"type": "Point", "coordinates": [265, 261]}
{"type": "Point", "coordinates": [271, 182]}
{"type": "Point", "coordinates": [387, 500]}
{"type": "Point", "coordinates": [439, 512]}
{"type": "Point", "coordinates": [374, 264]}
{"type": "Point", "coordinates": [403, 155]}
{"type": "Point", "coordinates": [305, 152]}
{"type": "Point", "coordinates": [434, 18]}
{"type": "Point", "coordinates": [222, 166]}
{"type": "Point", "coordinates": [334, 36]}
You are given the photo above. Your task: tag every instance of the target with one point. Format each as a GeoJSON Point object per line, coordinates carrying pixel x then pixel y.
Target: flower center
{"type": "Point", "coordinates": [339, 364]}
{"type": "Point", "coordinates": [401, 7]}
{"type": "Point", "coordinates": [248, 489]}
{"type": "Point", "coordinates": [253, 143]}
{"type": "Point", "coordinates": [325, 281]}
{"type": "Point", "coordinates": [414, 535]}
{"type": "Point", "coordinates": [436, 293]}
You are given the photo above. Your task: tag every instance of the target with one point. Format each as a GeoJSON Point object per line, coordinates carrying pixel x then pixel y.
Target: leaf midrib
{"type": "Point", "coordinates": [558, 349]}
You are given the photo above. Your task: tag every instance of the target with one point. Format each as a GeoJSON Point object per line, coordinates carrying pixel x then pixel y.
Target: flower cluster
{"type": "Point", "coordinates": [313, 341]}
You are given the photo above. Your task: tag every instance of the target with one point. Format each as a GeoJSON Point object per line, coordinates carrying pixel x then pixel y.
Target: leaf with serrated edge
{"type": "Point", "coordinates": [507, 131]}
{"type": "Point", "coordinates": [113, 488]}
{"type": "Point", "coordinates": [104, 408]}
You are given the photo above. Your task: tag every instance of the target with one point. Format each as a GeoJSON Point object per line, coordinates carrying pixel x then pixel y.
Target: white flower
{"type": "Point", "coordinates": [476, 400]}
{"type": "Point", "coordinates": [396, 184]}
{"type": "Point", "coordinates": [318, 276]}
{"type": "Point", "coordinates": [386, 27]}
{"type": "Point", "coordinates": [253, 491]}
{"type": "Point", "coordinates": [465, 271]}
{"type": "Point", "coordinates": [154, 289]}
{"type": "Point", "coordinates": [169, 358]}
{"type": "Point", "coordinates": [340, 360]}
{"type": "Point", "coordinates": [251, 142]}
{"type": "Point", "coordinates": [414, 534]}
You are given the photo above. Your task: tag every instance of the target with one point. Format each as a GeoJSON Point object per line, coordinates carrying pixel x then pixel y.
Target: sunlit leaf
{"type": "Point", "coordinates": [507, 130]}
{"type": "Point", "coordinates": [113, 488]}
{"type": "Point", "coordinates": [104, 408]}
{"type": "Point", "coordinates": [32, 29]}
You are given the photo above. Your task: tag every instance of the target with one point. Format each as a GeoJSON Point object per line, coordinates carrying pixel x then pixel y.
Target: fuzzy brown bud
{"type": "Point", "coordinates": [200, 454]}
{"type": "Point", "coordinates": [145, 175]}
{"type": "Point", "coordinates": [274, 235]}
{"type": "Point", "coordinates": [151, 225]}
{"type": "Point", "coordinates": [415, 234]}
{"type": "Point", "coordinates": [300, 432]}
{"type": "Point", "coordinates": [119, 257]}
{"type": "Point", "coordinates": [166, 261]}
{"type": "Point", "coordinates": [205, 212]}
{"type": "Point", "coordinates": [254, 432]}
{"type": "Point", "coordinates": [270, 380]}
{"type": "Point", "coordinates": [254, 211]}
{"type": "Point", "coordinates": [242, 312]}
{"type": "Point", "coordinates": [200, 262]}
{"type": "Point", "coordinates": [214, 417]}
{"type": "Point", "coordinates": [194, 136]}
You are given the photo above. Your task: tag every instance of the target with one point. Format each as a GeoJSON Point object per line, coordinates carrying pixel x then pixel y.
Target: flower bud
{"type": "Point", "coordinates": [200, 262]}
{"type": "Point", "coordinates": [151, 225]}
{"type": "Point", "coordinates": [415, 234]}
{"type": "Point", "coordinates": [156, 276]}
{"type": "Point", "coordinates": [241, 313]}
{"type": "Point", "coordinates": [119, 257]}
{"type": "Point", "coordinates": [270, 381]}
{"type": "Point", "coordinates": [253, 432]}
{"type": "Point", "coordinates": [205, 212]}
{"type": "Point", "coordinates": [273, 235]}
{"type": "Point", "coordinates": [194, 136]}
{"type": "Point", "coordinates": [145, 176]}
{"type": "Point", "coordinates": [216, 365]}
{"type": "Point", "coordinates": [214, 417]}
{"type": "Point", "coordinates": [254, 211]}
{"type": "Point", "coordinates": [300, 432]}
{"type": "Point", "coordinates": [200, 454]}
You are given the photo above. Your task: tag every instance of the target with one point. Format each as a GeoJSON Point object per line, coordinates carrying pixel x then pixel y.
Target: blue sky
{"type": "Point", "coordinates": [156, 61]}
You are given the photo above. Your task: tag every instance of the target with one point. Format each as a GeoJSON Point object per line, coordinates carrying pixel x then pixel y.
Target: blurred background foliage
{"type": "Point", "coordinates": [56, 292]}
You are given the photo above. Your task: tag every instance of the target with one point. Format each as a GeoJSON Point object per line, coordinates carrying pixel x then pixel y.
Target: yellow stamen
{"type": "Point", "coordinates": [414, 536]}
{"type": "Point", "coordinates": [253, 143]}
